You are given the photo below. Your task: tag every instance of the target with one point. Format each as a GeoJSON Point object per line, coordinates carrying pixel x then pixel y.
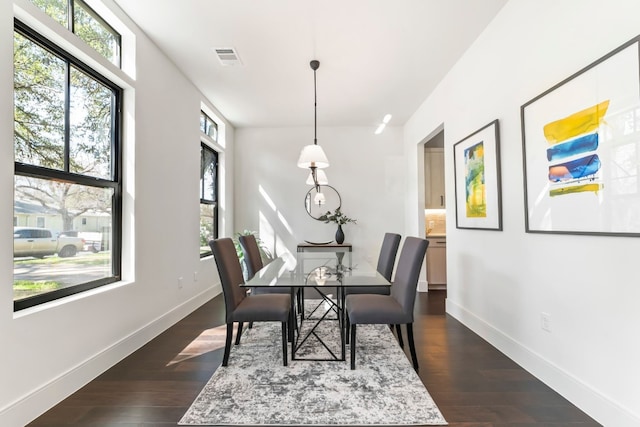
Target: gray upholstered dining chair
{"type": "Point", "coordinates": [393, 309]}
{"type": "Point", "coordinates": [241, 307]}
{"type": "Point", "coordinates": [252, 258]}
{"type": "Point", "coordinates": [386, 261]}
{"type": "Point", "coordinates": [253, 263]}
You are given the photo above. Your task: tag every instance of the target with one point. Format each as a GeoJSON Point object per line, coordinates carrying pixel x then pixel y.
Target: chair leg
{"type": "Point", "coordinates": [250, 325]}
{"type": "Point", "coordinates": [399, 333]}
{"type": "Point", "coordinates": [227, 344]}
{"type": "Point", "coordinates": [291, 330]}
{"type": "Point", "coordinates": [412, 346]}
{"type": "Point", "coordinates": [347, 329]}
{"type": "Point", "coordinates": [284, 343]}
{"type": "Point", "coordinates": [239, 333]}
{"type": "Point", "coordinates": [353, 346]}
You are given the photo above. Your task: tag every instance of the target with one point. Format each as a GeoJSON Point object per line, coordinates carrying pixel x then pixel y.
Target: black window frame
{"type": "Point", "coordinates": [115, 183]}
{"type": "Point", "coordinates": [204, 148]}
{"type": "Point", "coordinates": [208, 123]}
{"type": "Point", "coordinates": [70, 25]}
{"type": "Point", "coordinates": [94, 15]}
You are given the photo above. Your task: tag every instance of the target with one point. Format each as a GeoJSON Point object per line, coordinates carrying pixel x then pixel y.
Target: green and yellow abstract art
{"type": "Point", "coordinates": [476, 201]}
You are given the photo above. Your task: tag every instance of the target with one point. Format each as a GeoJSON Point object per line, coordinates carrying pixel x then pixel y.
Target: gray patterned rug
{"type": "Point", "coordinates": [256, 389]}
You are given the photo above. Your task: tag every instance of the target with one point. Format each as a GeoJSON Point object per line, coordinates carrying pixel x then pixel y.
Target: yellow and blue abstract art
{"type": "Point", "coordinates": [573, 155]}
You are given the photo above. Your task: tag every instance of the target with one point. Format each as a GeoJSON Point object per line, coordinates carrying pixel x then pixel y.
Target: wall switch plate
{"type": "Point", "coordinates": [545, 322]}
{"type": "Point", "coordinates": [179, 282]}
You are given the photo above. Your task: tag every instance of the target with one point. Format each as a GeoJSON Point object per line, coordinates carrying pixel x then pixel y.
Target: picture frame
{"type": "Point", "coordinates": [476, 160]}
{"type": "Point", "coordinates": [580, 145]}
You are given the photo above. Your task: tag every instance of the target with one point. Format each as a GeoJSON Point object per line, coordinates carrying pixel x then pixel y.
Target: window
{"type": "Point", "coordinates": [67, 163]}
{"type": "Point", "coordinates": [208, 126]}
{"type": "Point", "coordinates": [208, 198]}
{"type": "Point", "coordinates": [86, 24]}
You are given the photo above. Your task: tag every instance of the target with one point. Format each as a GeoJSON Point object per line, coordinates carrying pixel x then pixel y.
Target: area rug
{"type": "Point", "coordinates": [256, 389]}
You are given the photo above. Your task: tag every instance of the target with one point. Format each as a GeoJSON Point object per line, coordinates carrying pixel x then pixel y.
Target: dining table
{"type": "Point", "coordinates": [319, 279]}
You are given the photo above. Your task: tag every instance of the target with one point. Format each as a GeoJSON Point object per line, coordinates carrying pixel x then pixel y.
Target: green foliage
{"type": "Point", "coordinates": [57, 9]}
{"type": "Point", "coordinates": [338, 217]}
{"type": "Point", "coordinates": [206, 225]}
{"type": "Point", "coordinates": [38, 105]}
{"type": "Point", "coordinates": [94, 33]}
{"type": "Point", "coordinates": [39, 286]}
{"type": "Point", "coordinates": [85, 25]}
{"type": "Point", "coordinates": [26, 288]}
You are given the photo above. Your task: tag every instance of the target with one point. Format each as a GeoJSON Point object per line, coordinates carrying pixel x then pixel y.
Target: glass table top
{"type": "Point", "coordinates": [316, 269]}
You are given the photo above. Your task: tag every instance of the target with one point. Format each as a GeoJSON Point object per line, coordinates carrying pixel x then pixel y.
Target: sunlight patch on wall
{"type": "Point", "coordinates": [266, 197]}
{"type": "Point", "coordinates": [284, 222]}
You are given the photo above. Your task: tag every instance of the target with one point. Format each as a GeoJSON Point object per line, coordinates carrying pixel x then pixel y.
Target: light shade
{"type": "Point", "coordinates": [313, 155]}
{"type": "Point", "coordinates": [319, 199]}
{"type": "Point", "coordinates": [320, 176]}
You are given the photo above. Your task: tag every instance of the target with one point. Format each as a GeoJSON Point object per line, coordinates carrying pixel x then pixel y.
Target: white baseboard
{"type": "Point", "coordinates": [598, 406]}
{"type": "Point", "coordinates": [34, 404]}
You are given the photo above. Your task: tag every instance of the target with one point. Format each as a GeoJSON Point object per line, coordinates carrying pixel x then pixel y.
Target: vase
{"type": "Point", "coordinates": [339, 235]}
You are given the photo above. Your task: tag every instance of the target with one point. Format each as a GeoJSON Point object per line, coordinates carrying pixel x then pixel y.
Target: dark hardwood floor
{"type": "Point", "coordinates": [472, 383]}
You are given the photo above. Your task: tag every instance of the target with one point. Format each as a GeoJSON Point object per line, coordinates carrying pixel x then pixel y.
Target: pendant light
{"type": "Point", "coordinates": [321, 178]}
{"type": "Point", "coordinates": [319, 199]}
{"type": "Point", "coordinates": [312, 155]}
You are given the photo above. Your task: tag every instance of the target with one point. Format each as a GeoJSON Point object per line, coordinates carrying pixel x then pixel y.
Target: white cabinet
{"type": "Point", "coordinates": [434, 178]}
{"type": "Point", "coordinates": [437, 262]}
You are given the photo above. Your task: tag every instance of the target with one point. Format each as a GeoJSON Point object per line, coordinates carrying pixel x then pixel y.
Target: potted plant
{"type": "Point", "coordinates": [339, 218]}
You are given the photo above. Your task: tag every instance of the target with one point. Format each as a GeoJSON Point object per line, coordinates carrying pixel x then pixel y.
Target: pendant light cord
{"type": "Point", "coordinates": [315, 110]}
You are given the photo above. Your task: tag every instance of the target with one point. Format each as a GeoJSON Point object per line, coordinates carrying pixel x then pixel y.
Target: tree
{"type": "Point", "coordinates": [38, 105]}
{"type": "Point", "coordinates": [75, 136]}
{"type": "Point", "coordinates": [69, 200]}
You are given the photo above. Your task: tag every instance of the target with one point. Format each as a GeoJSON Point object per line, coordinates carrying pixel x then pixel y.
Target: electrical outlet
{"type": "Point", "coordinates": [545, 321]}
{"type": "Point", "coordinates": [180, 282]}
{"type": "Point", "coordinates": [195, 276]}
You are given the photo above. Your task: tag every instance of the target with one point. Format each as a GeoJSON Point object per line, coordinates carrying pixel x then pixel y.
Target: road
{"type": "Point", "coordinates": [68, 273]}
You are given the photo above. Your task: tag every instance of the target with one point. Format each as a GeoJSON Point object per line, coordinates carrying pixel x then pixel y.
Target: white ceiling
{"type": "Point", "coordinates": [376, 56]}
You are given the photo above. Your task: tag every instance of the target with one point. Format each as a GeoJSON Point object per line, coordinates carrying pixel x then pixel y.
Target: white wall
{"type": "Point", "coordinates": [500, 282]}
{"type": "Point", "coordinates": [51, 350]}
{"type": "Point", "coordinates": [366, 169]}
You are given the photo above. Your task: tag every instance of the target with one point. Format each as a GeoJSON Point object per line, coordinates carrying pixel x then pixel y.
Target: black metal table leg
{"type": "Point", "coordinates": [342, 316]}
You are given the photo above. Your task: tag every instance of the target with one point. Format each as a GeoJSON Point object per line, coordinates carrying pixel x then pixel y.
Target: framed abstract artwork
{"type": "Point", "coordinates": [476, 161]}
{"type": "Point", "coordinates": [581, 150]}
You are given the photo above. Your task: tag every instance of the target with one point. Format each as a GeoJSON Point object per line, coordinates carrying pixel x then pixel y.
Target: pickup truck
{"type": "Point", "coordinates": [39, 242]}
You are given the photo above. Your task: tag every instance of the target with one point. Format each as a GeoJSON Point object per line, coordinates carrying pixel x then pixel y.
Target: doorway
{"type": "Point", "coordinates": [435, 229]}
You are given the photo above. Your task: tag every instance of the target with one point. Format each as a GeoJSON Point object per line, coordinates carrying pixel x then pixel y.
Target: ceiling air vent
{"type": "Point", "coordinates": [227, 56]}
